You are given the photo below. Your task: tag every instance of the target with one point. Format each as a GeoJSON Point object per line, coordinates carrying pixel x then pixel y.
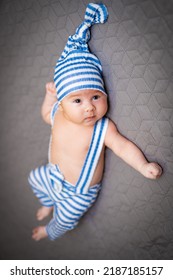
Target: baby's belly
{"type": "Point", "coordinates": [71, 169]}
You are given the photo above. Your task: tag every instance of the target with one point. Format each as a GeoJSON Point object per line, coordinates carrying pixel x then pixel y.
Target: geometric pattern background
{"type": "Point", "coordinates": [133, 216]}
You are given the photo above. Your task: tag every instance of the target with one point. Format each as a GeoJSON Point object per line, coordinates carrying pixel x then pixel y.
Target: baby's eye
{"type": "Point", "coordinates": [95, 97]}
{"type": "Point", "coordinates": [77, 101]}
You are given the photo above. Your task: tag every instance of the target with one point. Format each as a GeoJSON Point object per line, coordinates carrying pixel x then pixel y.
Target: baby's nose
{"type": "Point", "coordinates": [89, 107]}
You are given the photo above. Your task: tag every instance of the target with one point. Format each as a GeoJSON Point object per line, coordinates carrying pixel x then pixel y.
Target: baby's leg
{"type": "Point", "coordinates": [68, 213]}
{"type": "Point", "coordinates": [40, 183]}
{"type": "Point", "coordinates": [43, 212]}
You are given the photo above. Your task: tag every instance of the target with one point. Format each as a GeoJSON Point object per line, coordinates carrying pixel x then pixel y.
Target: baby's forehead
{"type": "Point", "coordinates": [83, 93]}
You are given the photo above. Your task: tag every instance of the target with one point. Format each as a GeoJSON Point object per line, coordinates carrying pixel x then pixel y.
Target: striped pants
{"type": "Point", "coordinates": [69, 206]}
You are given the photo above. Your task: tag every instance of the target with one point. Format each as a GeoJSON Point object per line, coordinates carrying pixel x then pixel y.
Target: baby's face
{"type": "Point", "coordinates": [84, 107]}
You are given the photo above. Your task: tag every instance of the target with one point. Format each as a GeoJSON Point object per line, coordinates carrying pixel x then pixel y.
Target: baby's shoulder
{"type": "Point", "coordinates": [111, 126]}
{"type": "Point", "coordinates": [111, 132]}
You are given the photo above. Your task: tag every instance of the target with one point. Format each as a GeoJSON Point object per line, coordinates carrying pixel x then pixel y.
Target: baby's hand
{"type": "Point", "coordinates": [51, 89]}
{"type": "Point", "coordinates": [151, 170]}
{"type": "Point", "coordinates": [39, 233]}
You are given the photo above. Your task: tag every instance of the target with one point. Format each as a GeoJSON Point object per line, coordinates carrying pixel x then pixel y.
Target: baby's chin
{"type": "Point", "coordinates": [90, 121]}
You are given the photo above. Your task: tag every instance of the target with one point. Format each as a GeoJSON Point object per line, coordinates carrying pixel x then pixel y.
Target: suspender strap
{"type": "Point", "coordinates": [92, 157]}
{"type": "Point", "coordinates": [53, 111]}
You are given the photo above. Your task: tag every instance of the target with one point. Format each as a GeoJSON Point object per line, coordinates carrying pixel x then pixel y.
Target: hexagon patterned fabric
{"type": "Point", "coordinates": [133, 216]}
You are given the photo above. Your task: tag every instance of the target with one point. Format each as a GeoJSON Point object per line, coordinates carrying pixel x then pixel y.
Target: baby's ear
{"type": "Point", "coordinates": [60, 106]}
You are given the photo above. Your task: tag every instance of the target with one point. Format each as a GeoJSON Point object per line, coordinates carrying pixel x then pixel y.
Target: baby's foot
{"type": "Point", "coordinates": [50, 89]}
{"type": "Point", "coordinates": [43, 212]}
{"type": "Point", "coordinates": [39, 233]}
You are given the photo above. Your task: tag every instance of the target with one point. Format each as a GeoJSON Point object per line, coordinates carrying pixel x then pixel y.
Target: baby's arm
{"type": "Point", "coordinates": [130, 153]}
{"type": "Point", "coordinates": [49, 101]}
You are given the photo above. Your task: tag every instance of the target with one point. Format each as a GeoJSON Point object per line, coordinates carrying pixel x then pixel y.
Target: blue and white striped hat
{"type": "Point", "coordinates": [77, 68]}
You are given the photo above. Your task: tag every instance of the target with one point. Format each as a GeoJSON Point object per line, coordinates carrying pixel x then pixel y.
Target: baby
{"type": "Point", "coordinates": [75, 106]}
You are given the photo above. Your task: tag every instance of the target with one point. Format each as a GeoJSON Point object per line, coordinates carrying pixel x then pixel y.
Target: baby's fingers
{"type": "Point", "coordinates": [50, 88]}
{"type": "Point", "coordinates": [154, 171]}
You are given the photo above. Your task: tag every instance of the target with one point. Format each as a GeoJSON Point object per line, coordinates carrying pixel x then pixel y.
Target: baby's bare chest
{"type": "Point", "coordinates": [69, 148]}
{"type": "Point", "coordinates": [70, 144]}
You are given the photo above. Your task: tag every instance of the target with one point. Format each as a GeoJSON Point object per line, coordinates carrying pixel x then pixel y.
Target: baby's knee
{"type": "Point", "coordinates": [32, 178]}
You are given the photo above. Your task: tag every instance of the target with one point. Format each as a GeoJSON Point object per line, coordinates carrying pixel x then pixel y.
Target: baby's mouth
{"type": "Point", "coordinates": [89, 118]}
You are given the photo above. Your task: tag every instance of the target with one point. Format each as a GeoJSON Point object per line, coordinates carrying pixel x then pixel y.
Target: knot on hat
{"type": "Point", "coordinates": [95, 13]}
